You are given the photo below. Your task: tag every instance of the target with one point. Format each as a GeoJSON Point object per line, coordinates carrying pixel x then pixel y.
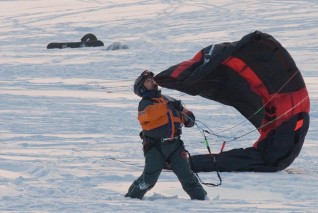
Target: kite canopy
{"type": "Point", "coordinates": [256, 75]}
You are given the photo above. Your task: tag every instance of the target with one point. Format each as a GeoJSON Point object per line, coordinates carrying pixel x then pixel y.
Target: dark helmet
{"type": "Point", "coordinates": [139, 88]}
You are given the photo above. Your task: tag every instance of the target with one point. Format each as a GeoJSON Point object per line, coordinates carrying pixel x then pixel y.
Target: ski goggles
{"type": "Point", "coordinates": [144, 76]}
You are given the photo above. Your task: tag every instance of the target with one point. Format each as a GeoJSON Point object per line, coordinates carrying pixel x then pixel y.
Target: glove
{"type": "Point", "coordinates": [189, 119]}
{"type": "Point", "coordinates": [177, 105]}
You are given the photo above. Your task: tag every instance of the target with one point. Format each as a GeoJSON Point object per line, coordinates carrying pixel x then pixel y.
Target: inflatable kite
{"type": "Point", "coordinates": [259, 78]}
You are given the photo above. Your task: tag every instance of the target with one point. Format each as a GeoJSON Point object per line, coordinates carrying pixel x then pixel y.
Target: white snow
{"type": "Point", "coordinates": [68, 128]}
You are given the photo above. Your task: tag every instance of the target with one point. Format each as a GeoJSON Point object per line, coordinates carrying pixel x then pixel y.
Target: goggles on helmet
{"type": "Point", "coordinates": [144, 76]}
{"type": "Point", "coordinates": [139, 87]}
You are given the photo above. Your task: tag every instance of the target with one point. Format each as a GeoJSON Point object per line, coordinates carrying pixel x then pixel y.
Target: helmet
{"type": "Point", "coordinates": [139, 88]}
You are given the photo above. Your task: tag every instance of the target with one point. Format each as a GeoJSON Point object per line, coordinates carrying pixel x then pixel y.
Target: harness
{"type": "Point", "coordinates": [160, 140]}
{"type": "Point", "coordinates": [150, 142]}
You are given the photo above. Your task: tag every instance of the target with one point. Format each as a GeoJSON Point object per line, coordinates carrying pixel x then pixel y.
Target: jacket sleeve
{"type": "Point", "coordinates": [152, 112]}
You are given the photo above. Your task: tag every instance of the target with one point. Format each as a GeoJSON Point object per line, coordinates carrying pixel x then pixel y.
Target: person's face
{"type": "Point", "coordinates": [151, 84]}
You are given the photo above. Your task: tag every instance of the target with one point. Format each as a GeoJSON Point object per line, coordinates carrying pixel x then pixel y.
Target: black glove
{"type": "Point", "coordinates": [189, 120]}
{"type": "Point", "coordinates": [177, 105]}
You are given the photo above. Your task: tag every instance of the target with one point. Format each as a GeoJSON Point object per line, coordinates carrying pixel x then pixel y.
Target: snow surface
{"type": "Point", "coordinates": [68, 128]}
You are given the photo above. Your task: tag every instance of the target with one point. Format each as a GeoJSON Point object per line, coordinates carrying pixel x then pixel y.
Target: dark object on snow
{"type": "Point", "coordinates": [89, 37]}
{"type": "Point", "coordinates": [88, 40]}
{"type": "Point", "coordinates": [259, 78]}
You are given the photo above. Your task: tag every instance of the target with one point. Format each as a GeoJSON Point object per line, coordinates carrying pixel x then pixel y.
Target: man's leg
{"type": "Point", "coordinates": [153, 166]}
{"type": "Point", "coordinates": [181, 167]}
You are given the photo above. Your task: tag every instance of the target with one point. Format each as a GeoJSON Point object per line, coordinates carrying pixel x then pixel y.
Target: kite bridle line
{"type": "Point", "coordinates": [230, 139]}
{"type": "Point", "coordinates": [264, 105]}
{"type": "Point", "coordinates": [260, 109]}
{"type": "Point", "coordinates": [202, 131]}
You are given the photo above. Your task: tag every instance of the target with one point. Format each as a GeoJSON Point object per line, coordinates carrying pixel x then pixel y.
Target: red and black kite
{"type": "Point", "coordinates": [258, 77]}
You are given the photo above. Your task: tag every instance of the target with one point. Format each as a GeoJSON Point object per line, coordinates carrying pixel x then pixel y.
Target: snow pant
{"type": "Point", "coordinates": [156, 154]}
{"type": "Point", "coordinates": [275, 153]}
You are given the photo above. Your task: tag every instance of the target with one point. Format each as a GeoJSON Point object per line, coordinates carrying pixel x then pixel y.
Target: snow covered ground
{"type": "Point", "coordinates": [68, 129]}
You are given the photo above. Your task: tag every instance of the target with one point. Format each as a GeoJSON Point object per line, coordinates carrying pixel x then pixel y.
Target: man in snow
{"type": "Point", "coordinates": [161, 118]}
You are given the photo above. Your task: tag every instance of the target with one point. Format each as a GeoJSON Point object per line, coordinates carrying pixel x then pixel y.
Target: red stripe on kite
{"type": "Point", "coordinates": [247, 73]}
{"type": "Point", "coordinates": [299, 124]}
{"type": "Point", "coordinates": [186, 64]}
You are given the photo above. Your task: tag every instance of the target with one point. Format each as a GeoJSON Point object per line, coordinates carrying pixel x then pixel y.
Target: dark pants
{"type": "Point", "coordinates": [275, 153]}
{"type": "Point", "coordinates": [155, 158]}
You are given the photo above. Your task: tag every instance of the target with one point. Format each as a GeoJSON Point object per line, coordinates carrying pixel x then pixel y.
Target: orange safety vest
{"type": "Point", "coordinates": [158, 115]}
